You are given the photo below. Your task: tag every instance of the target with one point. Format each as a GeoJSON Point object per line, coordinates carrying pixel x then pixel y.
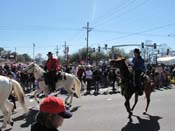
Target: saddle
{"type": "Point", "coordinates": [59, 76]}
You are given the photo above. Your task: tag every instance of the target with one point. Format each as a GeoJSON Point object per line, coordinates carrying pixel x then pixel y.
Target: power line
{"type": "Point", "coordinates": [123, 32]}
{"type": "Point", "coordinates": [118, 14]}
{"type": "Point", "coordinates": [144, 31]}
{"type": "Point", "coordinates": [36, 28]}
{"type": "Point", "coordinates": [113, 12]}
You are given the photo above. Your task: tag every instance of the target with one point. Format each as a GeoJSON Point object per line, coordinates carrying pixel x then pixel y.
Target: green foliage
{"type": "Point", "coordinates": [26, 57]}
{"type": "Point", "coordinates": [19, 57]}
{"type": "Point", "coordinates": [94, 56]}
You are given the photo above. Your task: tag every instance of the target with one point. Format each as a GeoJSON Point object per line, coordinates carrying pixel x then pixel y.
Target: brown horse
{"type": "Point", "coordinates": [127, 85]}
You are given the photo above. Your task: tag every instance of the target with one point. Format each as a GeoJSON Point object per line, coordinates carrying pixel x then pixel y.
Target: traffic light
{"type": "Point", "coordinates": [99, 48]}
{"type": "Point", "coordinates": [142, 45]}
{"type": "Point", "coordinates": [158, 51]}
{"type": "Point", "coordinates": [106, 46]}
{"type": "Point", "coordinates": [155, 45]}
{"type": "Point", "coordinates": [93, 49]}
{"type": "Point", "coordinates": [168, 51]}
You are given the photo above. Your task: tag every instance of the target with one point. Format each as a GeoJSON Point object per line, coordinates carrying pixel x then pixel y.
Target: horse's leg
{"type": "Point", "coordinates": [127, 104]}
{"type": "Point", "coordinates": [14, 102]}
{"type": "Point", "coordinates": [147, 94]}
{"type": "Point", "coordinates": [71, 100]}
{"type": "Point", "coordinates": [10, 108]}
{"type": "Point", "coordinates": [136, 100]}
{"type": "Point", "coordinates": [66, 100]}
{"type": "Point", "coordinates": [12, 98]}
{"type": "Point", "coordinates": [35, 96]}
{"type": "Point", "coordinates": [5, 114]}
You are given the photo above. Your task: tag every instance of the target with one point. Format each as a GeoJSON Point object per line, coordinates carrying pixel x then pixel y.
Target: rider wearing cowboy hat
{"type": "Point", "coordinates": [52, 67]}
{"type": "Point", "coordinates": [138, 67]}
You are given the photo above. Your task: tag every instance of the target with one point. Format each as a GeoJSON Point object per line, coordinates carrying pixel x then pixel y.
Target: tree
{"type": "Point", "coordinates": [23, 58]}
{"type": "Point", "coordinates": [75, 58]}
{"type": "Point", "coordinates": [39, 59]}
{"type": "Point", "coordinates": [1, 50]}
{"type": "Point", "coordinates": [118, 53]}
{"type": "Point", "coordinates": [92, 56]}
{"type": "Point", "coordinates": [27, 57]}
{"type": "Point", "coordinates": [20, 58]}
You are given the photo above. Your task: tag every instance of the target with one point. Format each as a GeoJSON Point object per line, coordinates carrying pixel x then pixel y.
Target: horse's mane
{"type": "Point", "coordinates": [41, 70]}
{"type": "Point", "coordinates": [124, 69]}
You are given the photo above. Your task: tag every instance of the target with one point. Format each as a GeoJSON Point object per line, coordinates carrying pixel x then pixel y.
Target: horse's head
{"type": "Point", "coordinates": [35, 69]}
{"type": "Point", "coordinates": [30, 68]}
{"type": "Point", "coordinates": [120, 63]}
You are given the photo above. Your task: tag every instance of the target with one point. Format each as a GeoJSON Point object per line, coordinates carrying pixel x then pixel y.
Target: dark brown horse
{"type": "Point", "coordinates": [127, 85]}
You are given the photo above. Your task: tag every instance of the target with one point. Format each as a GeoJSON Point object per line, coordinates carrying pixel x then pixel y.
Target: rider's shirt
{"type": "Point", "coordinates": [52, 64]}
{"type": "Point", "coordinates": [138, 63]}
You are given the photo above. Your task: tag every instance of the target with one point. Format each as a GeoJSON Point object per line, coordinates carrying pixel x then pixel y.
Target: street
{"type": "Point", "coordinates": [107, 113]}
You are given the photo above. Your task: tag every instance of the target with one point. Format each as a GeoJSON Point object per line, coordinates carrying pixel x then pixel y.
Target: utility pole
{"type": "Point", "coordinates": [65, 51]}
{"type": "Point", "coordinates": [34, 51]}
{"type": "Point", "coordinates": [88, 29]}
{"type": "Point", "coordinates": [15, 55]}
{"type": "Point", "coordinates": [57, 51]}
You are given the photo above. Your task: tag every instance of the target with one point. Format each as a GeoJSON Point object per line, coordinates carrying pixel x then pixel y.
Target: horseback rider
{"type": "Point", "coordinates": [51, 67]}
{"type": "Point", "coordinates": [138, 67]}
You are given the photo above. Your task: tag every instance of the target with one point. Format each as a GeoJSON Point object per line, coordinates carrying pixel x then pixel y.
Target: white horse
{"type": "Point", "coordinates": [6, 86]}
{"type": "Point", "coordinates": [71, 84]}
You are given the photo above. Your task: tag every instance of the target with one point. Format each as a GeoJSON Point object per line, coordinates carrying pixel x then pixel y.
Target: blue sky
{"type": "Point", "coordinates": [49, 23]}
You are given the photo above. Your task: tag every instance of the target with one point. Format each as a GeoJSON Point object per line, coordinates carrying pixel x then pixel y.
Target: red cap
{"type": "Point", "coordinates": [55, 105]}
{"type": "Point", "coordinates": [52, 104]}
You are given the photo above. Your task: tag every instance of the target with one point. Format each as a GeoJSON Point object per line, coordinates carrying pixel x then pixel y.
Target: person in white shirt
{"type": "Point", "coordinates": [88, 77]}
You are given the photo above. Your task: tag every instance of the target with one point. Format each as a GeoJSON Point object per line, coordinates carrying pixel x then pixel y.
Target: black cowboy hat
{"type": "Point", "coordinates": [136, 50]}
{"type": "Point", "coordinates": [49, 53]}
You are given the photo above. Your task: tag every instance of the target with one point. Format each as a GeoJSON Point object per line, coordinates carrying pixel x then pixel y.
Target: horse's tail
{"type": "Point", "coordinates": [19, 93]}
{"type": "Point", "coordinates": [77, 86]}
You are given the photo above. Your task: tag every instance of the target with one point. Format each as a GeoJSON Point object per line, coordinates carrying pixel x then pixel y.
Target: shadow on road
{"type": "Point", "coordinates": [74, 109]}
{"type": "Point", "coordinates": [8, 129]}
{"type": "Point", "coordinates": [29, 119]}
{"type": "Point", "coordinates": [150, 124]}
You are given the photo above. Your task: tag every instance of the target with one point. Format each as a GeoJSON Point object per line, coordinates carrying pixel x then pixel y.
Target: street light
{"type": "Point", "coordinates": [34, 51]}
{"type": "Point", "coordinates": [168, 51]}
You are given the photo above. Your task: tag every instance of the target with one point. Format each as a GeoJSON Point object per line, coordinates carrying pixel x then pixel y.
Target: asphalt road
{"type": "Point", "coordinates": [107, 113]}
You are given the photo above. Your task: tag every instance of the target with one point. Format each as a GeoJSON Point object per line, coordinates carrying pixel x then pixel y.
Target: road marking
{"type": "Point", "coordinates": [109, 99]}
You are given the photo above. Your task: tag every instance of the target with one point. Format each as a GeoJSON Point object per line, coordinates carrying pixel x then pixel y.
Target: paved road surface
{"type": "Point", "coordinates": [107, 113]}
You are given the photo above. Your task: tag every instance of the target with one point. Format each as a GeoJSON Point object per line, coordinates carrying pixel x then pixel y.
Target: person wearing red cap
{"type": "Point", "coordinates": [51, 115]}
{"type": "Point", "coordinates": [51, 67]}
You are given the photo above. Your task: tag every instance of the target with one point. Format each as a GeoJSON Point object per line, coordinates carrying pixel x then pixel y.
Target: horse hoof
{"type": "Point", "coordinates": [130, 114]}
{"type": "Point", "coordinates": [12, 123]}
{"type": "Point", "coordinates": [67, 108]}
{"type": "Point", "coordinates": [144, 113]}
{"type": "Point", "coordinates": [129, 117]}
